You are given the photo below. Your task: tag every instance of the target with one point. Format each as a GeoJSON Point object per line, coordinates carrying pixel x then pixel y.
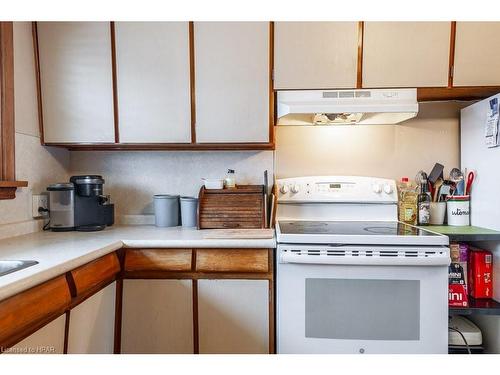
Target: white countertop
{"type": "Point", "coordinates": [60, 252]}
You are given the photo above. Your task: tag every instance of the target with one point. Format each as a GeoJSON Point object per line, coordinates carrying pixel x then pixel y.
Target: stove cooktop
{"type": "Point", "coordinates": [356, 232]}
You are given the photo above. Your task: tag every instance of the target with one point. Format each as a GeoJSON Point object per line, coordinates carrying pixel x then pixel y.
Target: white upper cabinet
{"type": "Point", "coordinates": [153, 83]}
{"type": "Point", "coordinates": [232, 81]}
{"type": "Point", "coordinates": [76, 80]}
{"type": "Point", "coordinates": [315, 55]}
{"type": "Point", "coordinates": [477, 54]}
{"type": "Point", "coordinates": [406, 54]}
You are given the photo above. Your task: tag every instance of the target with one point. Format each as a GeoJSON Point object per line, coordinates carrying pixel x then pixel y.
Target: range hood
{"type": "Point", "coordinates": [346, 107]}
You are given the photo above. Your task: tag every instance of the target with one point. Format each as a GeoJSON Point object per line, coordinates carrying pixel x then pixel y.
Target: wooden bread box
{"type": "Point", "coordinates": [241, 207]}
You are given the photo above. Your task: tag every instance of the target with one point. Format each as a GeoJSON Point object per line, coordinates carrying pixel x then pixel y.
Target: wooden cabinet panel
{"type": "Point", "coordinates": [232, 81]}
{"type": "Point", "coordinates": [406, 54]}
{"type": "Point", "coordinates": [96, 272]}
{"type": "Point", "coordinates": [47, 340]}
{"type": "Point", "coordinates": [152, 71]}
{"type": "Point", "coordinates": [229, 260]}
{"type": "Point", "coordinates": [315, 55]}
{"type": "Point", "coordinates": [20, 313]}
{"type": "Point", "coordinates": [233, 316]}
{"type": "Point", "coordinates": [158, 260]}
{"type": "Point", "coordinates": [76, 81]}
{"type": "Point", "coordinates": [476, 57]}
{"type": "Point", "coordinates": [157, 316]}
{"type": "Point", "coordinates": [92, 323]}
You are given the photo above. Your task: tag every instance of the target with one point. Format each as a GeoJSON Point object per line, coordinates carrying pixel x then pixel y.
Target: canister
{"type": "Point", "coordinates": [458, 210]}
{"type": "Point", "coordinates": [166, 210]}
{"type": "Point", "coordinates": [189, 211]}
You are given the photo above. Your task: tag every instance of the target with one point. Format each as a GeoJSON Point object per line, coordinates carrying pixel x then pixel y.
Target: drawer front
{"type": "Point", "coordinates": [23, 313]}
{"type": "Point", "coordinates": [94, 273]}
{"type": "Point", "coordinates": [231, 260]}
{"type": "Point", "coordinates": [158, 260]}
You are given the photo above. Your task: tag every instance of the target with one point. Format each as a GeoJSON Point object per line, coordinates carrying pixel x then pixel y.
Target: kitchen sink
{"type": "Point", "coordinates": [9, 266]}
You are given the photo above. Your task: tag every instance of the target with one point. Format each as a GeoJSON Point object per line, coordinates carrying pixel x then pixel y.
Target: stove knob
{"type": "Point", "coordinates": [284, 189]}
{"type": "Point", "coordinates": [295, 188]}
{"type": "Point", "coordinates": [388, 188]}
{"type": "Point", "coordinates": [377, 188]}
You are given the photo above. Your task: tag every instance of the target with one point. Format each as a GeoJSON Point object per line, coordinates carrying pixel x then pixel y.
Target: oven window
{"type": "Point", "coordinates": [359, 309]}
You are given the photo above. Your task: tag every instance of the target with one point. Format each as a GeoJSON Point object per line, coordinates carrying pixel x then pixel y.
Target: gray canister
{"type": "Point", "coordinates": [166, 210]}
{"type": "Point", "coordinates": [189, 211]}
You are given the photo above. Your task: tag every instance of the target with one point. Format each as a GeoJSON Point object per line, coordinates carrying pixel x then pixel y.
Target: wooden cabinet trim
{"type": "Point", "coordinates": [232, 260]}
{"type": "Point", "coordinates": [28, 311]}
{"type": "Point", "coordinates": [95, 273]}
{"type": "Point", "coordinates": [158, 260]}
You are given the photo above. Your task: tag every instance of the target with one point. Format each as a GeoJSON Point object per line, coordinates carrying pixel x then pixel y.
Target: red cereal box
{"type": "Point", "coordinates": [480, 273]}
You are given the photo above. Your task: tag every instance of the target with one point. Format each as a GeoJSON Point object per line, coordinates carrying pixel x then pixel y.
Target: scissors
{"type": "Point", "coordinates": [470, 179]}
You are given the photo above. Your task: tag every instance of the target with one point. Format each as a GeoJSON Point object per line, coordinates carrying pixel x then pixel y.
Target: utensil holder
{"type": "Point", "coordinates": [437, 212]}
{"type": "Point", "coordinates": [458, 209]}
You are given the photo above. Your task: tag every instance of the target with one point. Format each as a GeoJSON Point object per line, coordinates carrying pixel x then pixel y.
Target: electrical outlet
{"type": "Point", "coordinates": [40, 201]}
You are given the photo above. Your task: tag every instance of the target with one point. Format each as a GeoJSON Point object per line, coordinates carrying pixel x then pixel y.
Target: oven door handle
{"type": "Point", "coordinates": [437, 260]}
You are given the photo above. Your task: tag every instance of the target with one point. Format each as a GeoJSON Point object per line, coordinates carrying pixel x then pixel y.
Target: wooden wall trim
{"type": "Point", "coordinates": [196, 325]}
{"type": "Point", "coordinates": [115, 82]}
{"type": "Point", "coordinates": [451, 60]}
{"type": "Point", "coordinates": [192, 81]}
{"type": "Point", "coordinates": [7, 129]}
{"type": "Point", "coordinates": [359, 70]}
{"type": "Point", "coordinates": [272, 107]}
{"type": "Point", "coordinates": [36, 53]}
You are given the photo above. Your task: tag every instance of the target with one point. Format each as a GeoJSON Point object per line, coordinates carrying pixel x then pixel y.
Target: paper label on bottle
{"type": "Point", "coordinates": [424, 213]}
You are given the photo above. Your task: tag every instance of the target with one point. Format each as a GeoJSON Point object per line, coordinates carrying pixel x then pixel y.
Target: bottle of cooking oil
{"type": "Point", "coordinates": [407, 196]}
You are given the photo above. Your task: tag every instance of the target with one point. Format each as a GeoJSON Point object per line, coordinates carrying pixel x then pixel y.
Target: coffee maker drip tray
{"type": "Point", "coordinates": [90, 228]}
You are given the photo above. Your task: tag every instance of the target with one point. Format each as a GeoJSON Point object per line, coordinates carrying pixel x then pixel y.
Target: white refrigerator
{"type": "Point", "coordinates": [476, 154]}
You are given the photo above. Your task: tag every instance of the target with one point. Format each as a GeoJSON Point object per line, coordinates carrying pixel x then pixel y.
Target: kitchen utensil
{"type": "Point", "coordinates": [437, 172]}
{"type": "Point", "coordinates": [444, 191]}
{"type": "Point", "coordinates": [470, 179]}
{"type": "Point", "coordinates": [456, 174]}
{"type": "Point", "coordinates": [437, 186]}
{"type": "Point", "coordinates": [421, 177]}
{"type": "Point", "coordinates": [189, 211]}
{"type": "Point", "coordinates": [166, 210]}
{"type": "Point", "coordinates": [438, 211]}
{"type": "Point", "coordinates": [213, 183]}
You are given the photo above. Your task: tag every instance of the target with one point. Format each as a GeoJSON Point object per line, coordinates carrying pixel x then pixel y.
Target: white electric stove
{"type": "Point", "coordinates": [350, 277]}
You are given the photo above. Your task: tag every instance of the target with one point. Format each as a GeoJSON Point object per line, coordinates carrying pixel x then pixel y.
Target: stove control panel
{"type": "Point", "coordinates": [337, 189]}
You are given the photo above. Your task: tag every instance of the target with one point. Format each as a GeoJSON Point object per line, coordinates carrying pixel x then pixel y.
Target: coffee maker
{"type": "Point", "coordinates": [80, 205]}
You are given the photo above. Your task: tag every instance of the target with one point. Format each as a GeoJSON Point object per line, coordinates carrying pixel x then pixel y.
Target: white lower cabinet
{"type": "Point", "coordinates": [233, 316]}
{"type": "Point", "coordinates": [47, 340]}
{"type": "Point", "coordinates": [157, 317]}
{"type": "Point", "coordinates": [92, 324]}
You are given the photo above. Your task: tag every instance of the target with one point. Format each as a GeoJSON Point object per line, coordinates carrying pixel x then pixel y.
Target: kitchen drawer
{"type": "Point", "coordinates": [232, 260]}
{"type": "Point", "coordinates": [24, 313]}
{"type": "Point", "coordinates": [158, 260]}
{"type": "Point", "coordinates": [94, 273]}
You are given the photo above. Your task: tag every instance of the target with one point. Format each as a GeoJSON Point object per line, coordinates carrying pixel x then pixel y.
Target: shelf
{"type": "Point", "coordinates": [477, 307]}
{"type": "Point", "coordinates": [465, 233]}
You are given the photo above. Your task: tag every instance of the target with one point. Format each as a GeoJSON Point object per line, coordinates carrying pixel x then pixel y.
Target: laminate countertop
{"type": "Point", "coordinates": [60, 252]}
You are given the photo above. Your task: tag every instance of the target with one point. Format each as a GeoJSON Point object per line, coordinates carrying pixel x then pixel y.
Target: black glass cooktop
{"type": "Point", "coordinates": [356, 228]}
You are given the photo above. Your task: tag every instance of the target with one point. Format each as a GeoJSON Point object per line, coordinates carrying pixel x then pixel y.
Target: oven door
{"type": "Point", "coordinates": [362, 300]}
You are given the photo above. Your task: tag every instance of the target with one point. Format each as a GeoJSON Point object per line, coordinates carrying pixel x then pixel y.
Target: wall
{"type": "Point", "coordinates": [389, 151]}
{"type": "Point", "coordinates": [132, 178]}
{"type": "Point", "coordinates": [39, 165]}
